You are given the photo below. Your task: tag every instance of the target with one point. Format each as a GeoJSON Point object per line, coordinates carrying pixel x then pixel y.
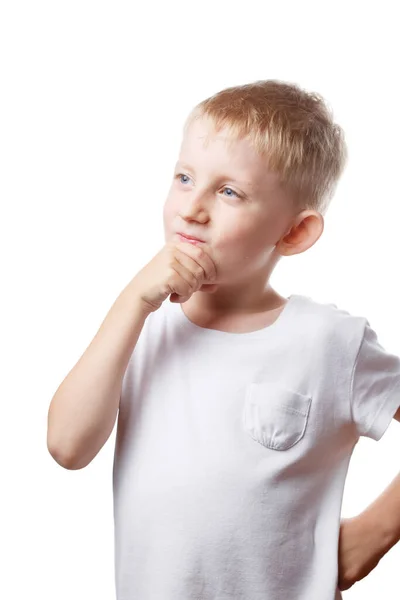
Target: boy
{"type": "Point", "coordinates": [239, 409]}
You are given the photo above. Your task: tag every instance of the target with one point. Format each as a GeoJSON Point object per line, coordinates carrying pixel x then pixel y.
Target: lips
{"type": "Point", "coordinates": [190, 237]}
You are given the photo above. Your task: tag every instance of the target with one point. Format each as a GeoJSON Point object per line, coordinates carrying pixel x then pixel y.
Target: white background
{"type": "Point", "coordinates": [93, 99]}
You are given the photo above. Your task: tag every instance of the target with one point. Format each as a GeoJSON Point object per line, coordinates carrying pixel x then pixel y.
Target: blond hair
{"type": "Point", "coordinates": [291, 128]}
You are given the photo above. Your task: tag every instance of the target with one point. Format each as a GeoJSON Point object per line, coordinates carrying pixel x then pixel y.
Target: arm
{"type": "Point", "coordinates": [367, 537]}
{"type": "Point", "coordinates": [83, 410]}
{"type": "Point", "coordinates": [384, 512]}
{"type": "Point", "coordinates": [383, 516]}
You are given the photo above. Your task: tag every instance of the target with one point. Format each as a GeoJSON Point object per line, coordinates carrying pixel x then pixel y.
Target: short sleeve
{"type": "Point", "coordinates": [375, 386]}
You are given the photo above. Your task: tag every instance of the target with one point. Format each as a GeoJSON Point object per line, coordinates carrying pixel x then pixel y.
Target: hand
{"type": "Point", "coordinates": [360, 549]}
{"type": "Point", "coordinates": [177, 270]}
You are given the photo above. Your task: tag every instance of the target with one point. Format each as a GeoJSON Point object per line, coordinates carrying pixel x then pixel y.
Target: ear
{"type": "Point", "coordinates": [303, 232]}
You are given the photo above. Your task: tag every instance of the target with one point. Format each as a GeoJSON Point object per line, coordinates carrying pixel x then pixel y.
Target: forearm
{"type": "Point", "coordinates": [383, 516]}
{"type": "Point", "coordinates": [83, 410]}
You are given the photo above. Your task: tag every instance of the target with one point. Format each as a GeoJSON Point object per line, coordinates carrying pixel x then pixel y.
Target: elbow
{"type": "Point", "coordinates": [63, 456]}
{"type": "Point", "coordinates": [68, 460]}
{"type": "Point", "coordinates": [64, 459]}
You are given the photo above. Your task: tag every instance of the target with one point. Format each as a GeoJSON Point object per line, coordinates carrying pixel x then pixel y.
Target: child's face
{"type": "Point", "coordinates": [226, 197]}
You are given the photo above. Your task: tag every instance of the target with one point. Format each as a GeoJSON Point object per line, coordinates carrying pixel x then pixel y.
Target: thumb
{"type": "Point", "coordinates": [176, 298]}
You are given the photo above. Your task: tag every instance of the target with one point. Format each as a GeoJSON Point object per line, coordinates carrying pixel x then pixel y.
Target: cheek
{"type": "Point", "coordinates": [168, 215]}
{"type": "Point", "coordinates": [236, 238]}
{"type": "Point", "coordinates": [240, 245]}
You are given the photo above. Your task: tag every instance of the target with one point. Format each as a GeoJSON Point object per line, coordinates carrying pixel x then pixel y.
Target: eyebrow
{"type": "Point", "coordinates": [186, 166]}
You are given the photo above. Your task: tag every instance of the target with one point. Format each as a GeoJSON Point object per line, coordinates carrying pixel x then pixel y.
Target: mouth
{"type": "Point", "coordinates": [192, 240]}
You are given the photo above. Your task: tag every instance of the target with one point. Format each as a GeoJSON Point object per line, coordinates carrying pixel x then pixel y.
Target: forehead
{"type": "Point", "coordinates": [201, 138]}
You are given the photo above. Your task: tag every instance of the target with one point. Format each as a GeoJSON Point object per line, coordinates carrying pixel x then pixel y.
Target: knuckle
{"type": "Point", "coordinates": [194, 280]}
{"type": "Point", "coordinates": [171, 272]}
{"type": "Point", "coordinates": [198, 251]}
{"type": "Point", "coordinates": [199, 272]}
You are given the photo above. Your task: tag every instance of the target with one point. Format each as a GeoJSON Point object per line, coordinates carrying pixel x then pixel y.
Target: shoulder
{"type": "Point", "coordinates": [332, 322]}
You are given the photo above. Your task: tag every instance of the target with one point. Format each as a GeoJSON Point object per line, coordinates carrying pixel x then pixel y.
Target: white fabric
{"type": "Point", "coordinates": [232, 451]}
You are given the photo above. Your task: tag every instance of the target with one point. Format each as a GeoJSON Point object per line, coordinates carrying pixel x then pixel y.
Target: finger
{"type": "Point", "coordinates": [177, 298]}
{"type": "Point", "coordinates": [209, 287]}
{"type": "Point", "coordinates": [193, 263]}
{"type": "Point", "coordinates": [200, 256]}
{"type": "Point", "coordinates": [184, 268]}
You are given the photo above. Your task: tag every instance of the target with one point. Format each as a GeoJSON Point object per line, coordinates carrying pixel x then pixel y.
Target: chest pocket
{"type": "Point", "coordinates": [275, 416]}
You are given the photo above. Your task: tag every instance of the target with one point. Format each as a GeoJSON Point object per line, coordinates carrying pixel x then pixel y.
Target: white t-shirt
{"type": "Point", "coordinates": [232, 451]}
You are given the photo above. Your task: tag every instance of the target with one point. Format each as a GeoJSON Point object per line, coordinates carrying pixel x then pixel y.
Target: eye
{"type": "Point", "coordinates": [179, 175]}
{"type": "Point", "coordinates": [229, 196]}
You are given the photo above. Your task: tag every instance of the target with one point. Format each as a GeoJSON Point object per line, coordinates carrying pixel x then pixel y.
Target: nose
{"type": "Point", "coordinates": [196, 207]}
